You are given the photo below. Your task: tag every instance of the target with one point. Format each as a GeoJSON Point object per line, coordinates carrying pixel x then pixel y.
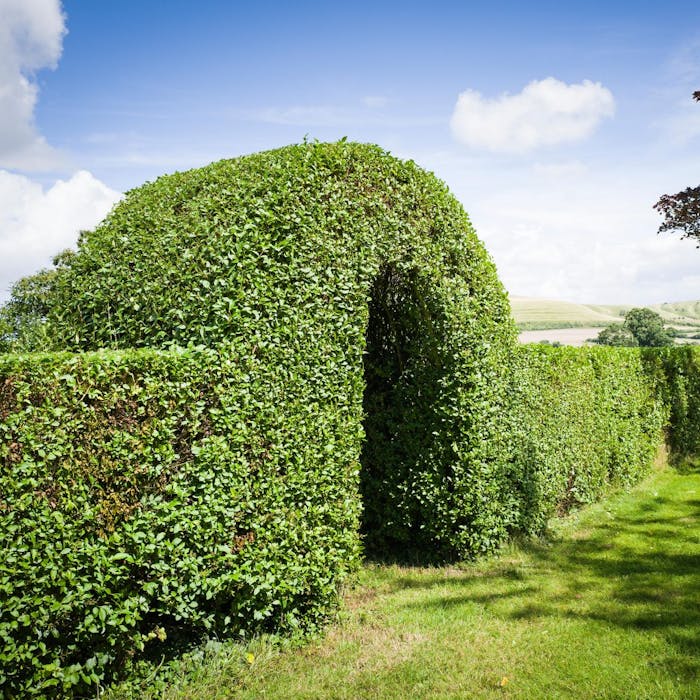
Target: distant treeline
{"type": "Point", "coordinates": [554, 325]}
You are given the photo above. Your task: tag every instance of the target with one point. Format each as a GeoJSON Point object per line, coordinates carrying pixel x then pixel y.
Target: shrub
{"type": "Point", "coordinates": [302, 250]}
{"type": "Point", "coordinates": [149, 493]}
{"type": "Point", "coordinates": [581, 420]}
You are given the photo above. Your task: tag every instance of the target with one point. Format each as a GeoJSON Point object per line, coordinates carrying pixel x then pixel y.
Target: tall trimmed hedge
{"type": "Point", "coordinates": [148, 494]}
{"type": "Point", "coordinates": [276, 262]}
{"type": "Point", "coordinates": [302, 250]}
{"type": "Point", "coordinates": [325, 292]}
{"type": "Point", "coordinates": [582, 420]}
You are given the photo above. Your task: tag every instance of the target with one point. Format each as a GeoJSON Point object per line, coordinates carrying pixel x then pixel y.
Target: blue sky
{"type": "Point", "coordinates": [556, 124]}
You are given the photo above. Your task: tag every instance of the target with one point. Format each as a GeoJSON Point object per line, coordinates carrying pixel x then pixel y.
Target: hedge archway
{"type": "Point", "coordinates": [315, 259]}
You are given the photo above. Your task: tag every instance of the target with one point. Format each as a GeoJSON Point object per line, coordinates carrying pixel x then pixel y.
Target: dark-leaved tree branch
{"type": "Point", "coordinates": [681, 211]}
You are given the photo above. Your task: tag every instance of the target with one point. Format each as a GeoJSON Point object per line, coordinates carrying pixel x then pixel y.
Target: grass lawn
{"type": "Point", "coordinates": [607, 607]}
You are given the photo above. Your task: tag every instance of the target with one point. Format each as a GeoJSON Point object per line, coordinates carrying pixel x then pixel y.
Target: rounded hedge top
{"type": "Point", "coordinates": [245, 246]}
{"type": "Point", "coordinates": [345, 270]}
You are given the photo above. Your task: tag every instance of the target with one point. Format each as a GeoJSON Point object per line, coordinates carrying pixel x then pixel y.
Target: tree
{"type": "Point", "coordinates": [648, 328]}
{"type": "Point", "coordinates": [23, 318]}
{"type": "Point", "coordinates": [616, 334]}
{"type": "Point", "coordinates": [642, 327]}
{"type": "Point", "coordinates": [681, 211]}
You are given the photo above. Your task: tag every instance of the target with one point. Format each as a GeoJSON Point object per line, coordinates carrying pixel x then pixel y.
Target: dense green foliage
{"type": "Point", "coordinates": [642, 327]}
{"type": "Point", "coordinates": [277, 260]}
{"type": "Point", "coordinates": [582, 420]}
{"type": "Point", "coordinates": [155, 494]}
{"type": "Point", "coordinates": [23, 318]}
{"type": "Point", "coordinates": [579, 422]}
{"type": "Point", "coordinates": [147, 493]}
{"type": "Point", "coordinates": [647, 327]}
{"type": "Point", "coordinates": [433, 403]}
{"type": "Point", "coordinates": [678, 382]}
{"type": "Point", "coordinates": [300, 249]}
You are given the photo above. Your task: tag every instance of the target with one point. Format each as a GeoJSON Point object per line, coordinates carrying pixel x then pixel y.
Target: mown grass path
{"type": "Point", "coordinates": [608, 607]}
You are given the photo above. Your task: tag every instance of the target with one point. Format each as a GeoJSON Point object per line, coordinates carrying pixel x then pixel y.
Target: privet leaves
{"type": "Point", "coordinates": [271, 260]}
{"type": "Point", "coordinates": [147, 494]}
{"type": "Point", "coordinates": [284, 250]}
{"type": "Point", "coordinates": [581, 420]}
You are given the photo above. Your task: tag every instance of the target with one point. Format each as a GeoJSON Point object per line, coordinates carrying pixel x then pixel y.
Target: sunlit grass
{"type": "Point", "coordinates": [608, 606]}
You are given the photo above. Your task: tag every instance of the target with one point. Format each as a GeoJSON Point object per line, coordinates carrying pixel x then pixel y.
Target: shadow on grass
{"type": "Point", "coordinates": [685, 464]}
{"type": "Point", "coordinates": [638, 569]}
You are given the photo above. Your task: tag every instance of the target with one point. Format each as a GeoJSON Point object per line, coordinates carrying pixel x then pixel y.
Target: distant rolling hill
{"type": "Point", "coordinates": [542, 314]}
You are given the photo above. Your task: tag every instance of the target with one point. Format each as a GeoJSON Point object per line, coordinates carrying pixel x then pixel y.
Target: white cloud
{"type": "Point", "coordinates": [591, 239]}
{"type": "Point", "coordinates": [581, 232]}
{"type": "Point", "coordinates": [545, 113]}
{"type": "Point", "coordinates": [35, 224]}
{"type": "Point", "coordinates": [31, 36]}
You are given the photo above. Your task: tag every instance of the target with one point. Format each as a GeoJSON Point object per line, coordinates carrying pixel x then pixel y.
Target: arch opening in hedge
{"type": "Point", "coordinates": [405, 372]}
{"type": "Point", "coordinates": [288, 255]}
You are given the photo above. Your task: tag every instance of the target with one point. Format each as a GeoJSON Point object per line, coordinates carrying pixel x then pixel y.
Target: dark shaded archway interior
{"type": "Point", "coordinates": [404, 373]}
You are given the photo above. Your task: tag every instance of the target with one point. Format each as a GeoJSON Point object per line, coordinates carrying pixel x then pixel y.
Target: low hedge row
{"type": "Point", "coordinates": [146, 494]}
{"type": "Point", "coordinates": [581, 420]}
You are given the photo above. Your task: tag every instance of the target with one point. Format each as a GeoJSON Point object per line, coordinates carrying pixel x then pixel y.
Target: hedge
{"type": "Point", "coordinates": [275, 262]}
{"type": "Point", "coordinates": [150, 494]}
{"type": "Point", "coordinates": [153, 494]}
{"type": "Point", "coordinates": [582, 421]}
{"type": "Point", "coordinates": [677, 372]}
{"type": "Point", "coordinates": [325, 292]}
{"type": "Point", "coordinates": [302, 249]}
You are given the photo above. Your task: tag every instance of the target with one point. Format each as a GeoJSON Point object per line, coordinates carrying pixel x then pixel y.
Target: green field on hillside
{"type": "Point", "coordinates": [533, 314]}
